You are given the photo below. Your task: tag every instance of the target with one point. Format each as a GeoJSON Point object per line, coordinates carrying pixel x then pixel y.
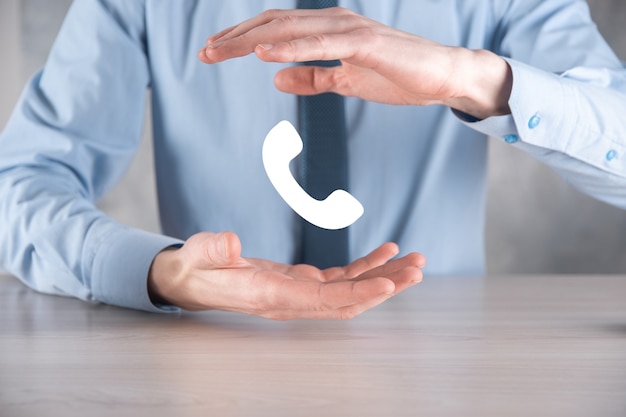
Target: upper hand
{"type": "Point", "coordinates": [379, 63]}
{"type": "Point", "coordinates": [208, 272]}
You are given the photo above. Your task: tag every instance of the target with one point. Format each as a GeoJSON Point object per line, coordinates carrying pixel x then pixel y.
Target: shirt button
{"type": "Point", "coordinates": [534, 121]}
{"type": "Point", "coordinates": [510, 139]}
{"type": "Point", "coordinates": [611, 155]}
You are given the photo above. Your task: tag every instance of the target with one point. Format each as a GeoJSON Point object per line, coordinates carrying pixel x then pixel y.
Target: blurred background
{"type": "Point", "coordinates": [536, 223]}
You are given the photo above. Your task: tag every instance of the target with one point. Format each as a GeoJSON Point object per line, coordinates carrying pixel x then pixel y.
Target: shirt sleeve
{"type": "Point", "coordinates": [568, 99]}
{"type": "Point", "coordinates": [72, 135]}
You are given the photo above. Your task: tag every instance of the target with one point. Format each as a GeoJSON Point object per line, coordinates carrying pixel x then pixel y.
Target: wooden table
{"type": "Point", "coordinates": [452, 346]}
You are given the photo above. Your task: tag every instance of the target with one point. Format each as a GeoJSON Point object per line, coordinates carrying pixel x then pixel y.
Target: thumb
{"type": "Point", "coordinates": [222, 249]}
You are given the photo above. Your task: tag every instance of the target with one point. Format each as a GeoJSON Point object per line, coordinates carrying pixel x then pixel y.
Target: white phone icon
{"type": "Point", "coordinates": [340, 209]}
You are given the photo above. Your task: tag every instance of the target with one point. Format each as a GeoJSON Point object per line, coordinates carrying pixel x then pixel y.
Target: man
{"type": "Point", "coordinates": [534, 73]}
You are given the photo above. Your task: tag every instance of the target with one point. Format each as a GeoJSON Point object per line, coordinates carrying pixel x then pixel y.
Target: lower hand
{"type": "Point", "coordinates": [208, 272]}
{"type": "Point", "coordinates": [379, 63]}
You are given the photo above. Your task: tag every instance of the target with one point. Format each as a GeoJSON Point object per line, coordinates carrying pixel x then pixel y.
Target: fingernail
{"type": "Point", "coordinates": [221, 246]}
{"type": "Point", "coordinates": [214, 45]}
{"type": "Point", "coordinates": [266, 46]}
{"type": "Point", "coordinates": [417, 279]}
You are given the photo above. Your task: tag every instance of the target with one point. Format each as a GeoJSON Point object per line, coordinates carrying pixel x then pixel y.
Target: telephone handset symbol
{"type": "Point", "coordinates": [340, 209]}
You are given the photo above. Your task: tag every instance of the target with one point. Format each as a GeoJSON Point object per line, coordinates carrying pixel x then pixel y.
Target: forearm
{"type": "Point", "coordinates": [573, 123]}
{"type": "Point", "coordinates": [57, 242]}
{"type": "Point", "coordinates": [582, 122]}
{"type": "Point", "coordinates": [70, 139]}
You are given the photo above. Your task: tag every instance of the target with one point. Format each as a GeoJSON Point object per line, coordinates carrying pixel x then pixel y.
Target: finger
{"type": "Point", "coordinates": [303, 298]}
{"type": "Point", "coordinates": [213, 38]}
{"type": "Point", "coordinates": [402, 280]}
{"type": "Point", "coordinates": [338, 294]}
{"type": "Point", "coordinates": [405, 278]}
{"type": "Point", "coordinates": [319, 47]}
{"type": "Point", "coordinates": [404, 272]}
{"type": "Point", "coordinates": [282, 32]}
{"type": "Point", "coordinates": [343, 313]}
{"type": "Point", "coordinates": [306, 272]}
{"type": "Point", "coordinates": [352, 311]}
{"type": "Point", "coordinates": [222, 249]}
{"type": "Point", "coordinates": [363, 43]}
{"type": "Point", "coordinates": [284, 20]}
{"type": "Point", "coordinates": [311, 80]}
{"type": "Point", "coordinates": [411, 260]}
{"type": "Point", "coordinates": [376, 258]}
{"type": "Point", "coordinates": [299, 271]}
{"type": "Point", "coordinates": [346, 80]}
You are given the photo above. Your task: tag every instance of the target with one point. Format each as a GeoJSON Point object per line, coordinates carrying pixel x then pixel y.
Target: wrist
{"type": "Point", "coordinates": [162, 276]}
{"type": "Point", "coordinates": [485, 84]}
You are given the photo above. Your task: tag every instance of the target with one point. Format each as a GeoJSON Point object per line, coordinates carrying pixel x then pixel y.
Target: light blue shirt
{"type": "Point", "coordinates": [419, 172]}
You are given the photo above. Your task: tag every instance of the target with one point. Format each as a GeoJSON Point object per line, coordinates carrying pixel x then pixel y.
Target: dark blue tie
{"type": "Point", "coordinates": [324, 164]}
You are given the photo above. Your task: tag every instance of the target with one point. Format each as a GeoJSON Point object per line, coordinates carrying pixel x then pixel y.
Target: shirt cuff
{"type": "Point", "coordinates": [121, 265]}
{"type": "Point", "coordinates": [546, 111]}
{"type": "Point", "coordinates": [497, 126]}
{"type": "Point", "coordinates": [534, 116]}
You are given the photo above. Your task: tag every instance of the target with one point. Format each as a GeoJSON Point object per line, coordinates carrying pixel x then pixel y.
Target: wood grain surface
{"type": "Point", "coordinates": [451, 346]}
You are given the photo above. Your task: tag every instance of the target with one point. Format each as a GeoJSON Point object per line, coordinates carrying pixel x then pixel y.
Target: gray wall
{"type": "Point", "coordinates": [536, 222]}
{"type": "Point", "coordinates": [10, 75]}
